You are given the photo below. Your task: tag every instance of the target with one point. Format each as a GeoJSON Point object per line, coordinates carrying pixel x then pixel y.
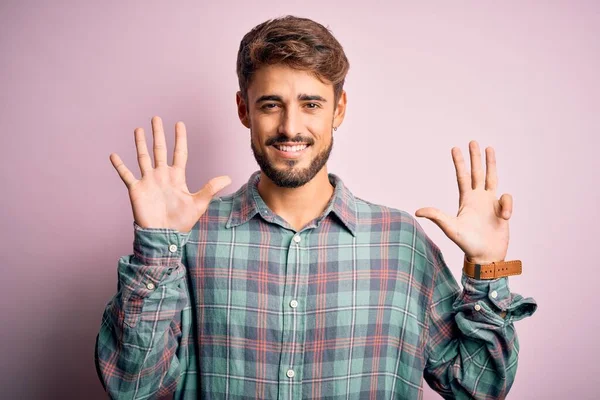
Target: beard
{"type": "Point", "coordinates": [291, 177]}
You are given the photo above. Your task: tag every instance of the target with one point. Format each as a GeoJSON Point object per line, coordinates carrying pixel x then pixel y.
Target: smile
{"type": "Point", "coordinates": [291, 151]}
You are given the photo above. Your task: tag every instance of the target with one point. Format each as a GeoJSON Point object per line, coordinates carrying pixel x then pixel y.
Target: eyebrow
{"type": "Point", "coordinates": [301, 97]}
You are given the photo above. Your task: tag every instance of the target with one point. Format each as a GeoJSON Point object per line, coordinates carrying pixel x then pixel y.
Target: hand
{"type": "Point", "coordinates": [161, 198]}
{"type": "Point", "coordinates": [480, 228]}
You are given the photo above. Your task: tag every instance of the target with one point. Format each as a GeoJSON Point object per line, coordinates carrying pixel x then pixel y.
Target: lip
{"type": "Point", "coordinates": [290, 154]}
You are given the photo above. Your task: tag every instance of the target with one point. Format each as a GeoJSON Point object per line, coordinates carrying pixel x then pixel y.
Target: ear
{"type": "Point", "coordinates": [242, 109]}
{"type": "Point", "coordinates": [340, 110]}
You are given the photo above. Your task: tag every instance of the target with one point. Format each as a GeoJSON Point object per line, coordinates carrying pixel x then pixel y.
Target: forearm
{"type": "Point", "coordinates": [473, 346]}
{"type": "Point", "coordinates": [137, 347]}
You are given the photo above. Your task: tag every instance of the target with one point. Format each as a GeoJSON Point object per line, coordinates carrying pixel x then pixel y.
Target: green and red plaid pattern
{"type": "Point", "coordinates": [359, 304]}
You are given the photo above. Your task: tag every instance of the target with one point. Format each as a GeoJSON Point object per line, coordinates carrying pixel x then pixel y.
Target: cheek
{"type": "Point", "coordinates": [320, 126]}
{"type": "Point", "coordinates": [321, 131]}
{"type": "Point", "coordinates": [263, 128]}
{"type": "Point", "coordinates": [323, 124]}
{"type": "Point", "coordinates": [258, 128]}
{"type": "Point", "coordinates": [265, 121]}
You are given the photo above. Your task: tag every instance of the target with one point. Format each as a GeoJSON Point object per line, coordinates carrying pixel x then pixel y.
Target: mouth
{"type": "Point", "coordinates": [295, 151]}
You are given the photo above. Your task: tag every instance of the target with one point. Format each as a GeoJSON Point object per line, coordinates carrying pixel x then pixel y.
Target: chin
{"type": "Point", "coordinates": [288, 177]}
{"type": "Point", "coordinates": [291, 173]}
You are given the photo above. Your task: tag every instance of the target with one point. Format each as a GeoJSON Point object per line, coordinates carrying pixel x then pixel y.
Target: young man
{"type": "Point", "coordinates": [292, 287]}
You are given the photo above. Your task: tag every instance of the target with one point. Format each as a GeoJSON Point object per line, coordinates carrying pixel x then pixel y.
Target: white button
{"type": "Point", "coordinates": [297, 238]}
{"type": "Point", "coordinates": [293, 304]}
{"type": "Point", "coordinates": [150, 286]}
{"type": "Point", "coordinates": [173, 248]}
{"type": "Point", "coordinates": [477, 307]}
{"type": "Point", "coordinates": [290, 373]}
{"type": "Point", "coordinates": [494, 294]}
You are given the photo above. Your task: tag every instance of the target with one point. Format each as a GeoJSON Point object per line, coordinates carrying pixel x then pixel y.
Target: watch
{"type": "Point", "coordinates": [494, 270]}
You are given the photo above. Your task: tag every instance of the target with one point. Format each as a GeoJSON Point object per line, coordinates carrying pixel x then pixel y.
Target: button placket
{"type": "Point", "coordinates": [294, 321]}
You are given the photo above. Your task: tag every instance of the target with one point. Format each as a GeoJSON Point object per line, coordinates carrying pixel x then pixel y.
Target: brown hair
{"type": "Point", "coordinates": [296, 42]}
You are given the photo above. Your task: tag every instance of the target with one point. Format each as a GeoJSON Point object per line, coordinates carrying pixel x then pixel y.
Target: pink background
{"type": "Point", "coordinates": [77, 79]}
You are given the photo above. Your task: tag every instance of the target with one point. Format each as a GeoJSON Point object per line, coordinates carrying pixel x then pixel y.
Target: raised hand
{"type": "Point", "coordinates": [161, 198]}
{"type": "Point", "coordinates": [480, 228]}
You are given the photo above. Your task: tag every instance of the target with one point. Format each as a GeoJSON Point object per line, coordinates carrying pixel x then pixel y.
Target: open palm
{"type": "Point", "coordinates": [480, 227]}
{"type": "Point", "coordinates": [161, 198]}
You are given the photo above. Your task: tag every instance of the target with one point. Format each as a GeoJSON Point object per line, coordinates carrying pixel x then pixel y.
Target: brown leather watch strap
{"type": "Point", "coordinates": [493, 270]}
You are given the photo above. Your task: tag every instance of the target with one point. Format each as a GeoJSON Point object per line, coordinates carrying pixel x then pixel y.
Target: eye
{"type": "Point", "coordinates": [312, 106]}
{"type": "Point", "coordinates": [269, 106]}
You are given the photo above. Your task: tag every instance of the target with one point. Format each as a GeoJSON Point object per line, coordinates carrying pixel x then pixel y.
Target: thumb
{"type": "Point", "coordinates": [437, 217]}
{"type": "Point", "coordinates": [205, 195]}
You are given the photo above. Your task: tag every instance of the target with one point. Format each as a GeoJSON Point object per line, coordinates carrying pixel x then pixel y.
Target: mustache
{"type": "Point", "coordinates": [285, 139]}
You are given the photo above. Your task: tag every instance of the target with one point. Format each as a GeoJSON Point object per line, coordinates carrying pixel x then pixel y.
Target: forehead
{"type": "Point", "coordinates": [286, 82]}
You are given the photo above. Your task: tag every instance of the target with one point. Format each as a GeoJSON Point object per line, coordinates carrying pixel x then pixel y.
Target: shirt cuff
{"type": "Point", "coordinates": [486, 297]}
{"type": "Point", "coordinates": [158, 246]}
{"type": "Point", "coordinates": [157, 253]}
{"type": "Point", "coordinates": [156, 261]}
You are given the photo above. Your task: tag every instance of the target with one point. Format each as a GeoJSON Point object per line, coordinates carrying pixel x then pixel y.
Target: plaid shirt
{"type": "Point", "coordinates": [359, 304]}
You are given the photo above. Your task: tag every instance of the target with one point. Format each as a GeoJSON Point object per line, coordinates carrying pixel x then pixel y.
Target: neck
{"type": "Point", "coordinates": [298, 206]}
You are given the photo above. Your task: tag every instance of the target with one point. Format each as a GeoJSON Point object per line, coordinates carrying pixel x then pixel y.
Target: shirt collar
{"type": "Point", "coordinates": [247, 203]}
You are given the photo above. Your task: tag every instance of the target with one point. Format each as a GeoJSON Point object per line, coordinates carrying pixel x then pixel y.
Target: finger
{"type": "Point", "coordinates": [205, 195]}
{"type": "Point", "coordinates": [123, 171]}
{"type": "Point", "coordinates": [462, 176]}
{"type": "Point", "coordinates": [476, 167]}
{"type": "Point", "coordinates": [491, 177]}
{"type": "Point", "coordinates": [180, 152]}
{"type": "Point", "coordinates": [439, 218]}
{"type": "Point", "coordinates": [160, 145]}
{"type": "Point", "coordinates": [506, 203]}
{"type": "Point", "coordinates": [144, 160]}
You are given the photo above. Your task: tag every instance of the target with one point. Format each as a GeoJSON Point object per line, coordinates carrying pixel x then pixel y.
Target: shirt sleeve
{"type": "Point", "coordinates": [471, 351]}
{"type": "Point", "coordinates": [137, 350]}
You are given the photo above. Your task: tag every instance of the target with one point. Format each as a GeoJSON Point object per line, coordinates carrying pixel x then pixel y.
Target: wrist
{"type": "Point", "coordinates": [482, 260]}
{"type": "Point", "coordinates": [480, 269]}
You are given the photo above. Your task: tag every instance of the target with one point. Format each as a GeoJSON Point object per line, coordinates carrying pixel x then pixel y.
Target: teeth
{"type": "Point", "coordinates": [292, 148]}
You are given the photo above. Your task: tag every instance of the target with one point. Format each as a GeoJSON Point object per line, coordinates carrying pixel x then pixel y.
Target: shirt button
{"type": "Point", "coordinates": [293, 304]}
{"type": "Point", "coordinates": [297, 238]}
{"type": "Point", "coordinates": [494, 294]}
{"type": "Point", "coordinates": [290, 373]}
{"type": "Point", "coordinates": [173, 248]}
{"type": "Point", "coordinates": [477, 307]}
{"type": "Point", "coordinates": [150, 286]}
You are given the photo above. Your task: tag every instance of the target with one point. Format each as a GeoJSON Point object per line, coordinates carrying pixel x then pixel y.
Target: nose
{"type": "Point", "coordinates": [290, 122]}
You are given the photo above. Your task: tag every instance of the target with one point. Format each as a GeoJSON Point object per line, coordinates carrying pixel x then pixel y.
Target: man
{"type": "Point", "coordinates": [292, 287]}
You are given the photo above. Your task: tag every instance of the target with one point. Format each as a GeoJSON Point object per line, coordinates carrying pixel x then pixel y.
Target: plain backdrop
{"type": "Point", "coordinates": [78, 77]}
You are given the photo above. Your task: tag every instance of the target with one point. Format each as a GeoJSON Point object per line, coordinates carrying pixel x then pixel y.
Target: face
{"type": "Point", "coordinates": [291, 115]}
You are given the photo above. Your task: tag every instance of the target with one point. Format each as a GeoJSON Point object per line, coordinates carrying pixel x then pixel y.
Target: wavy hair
{"type": "Point", "coordinates": [299, 43]}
